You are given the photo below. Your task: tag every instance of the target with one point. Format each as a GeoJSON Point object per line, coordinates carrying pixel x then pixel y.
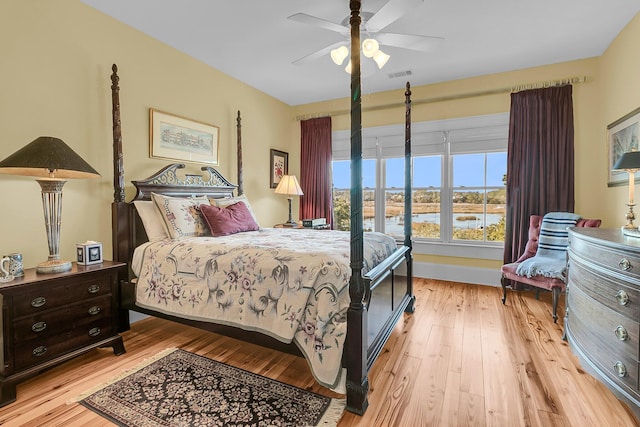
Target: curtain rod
{"type": "Point", "coordinates": [510, 89]}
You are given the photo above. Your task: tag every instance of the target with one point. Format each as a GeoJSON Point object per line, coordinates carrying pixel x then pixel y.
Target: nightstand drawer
{"type": "Point", "coordinates": [38, 350]}
{"type": "Point", "coordinates": [54, 322]}
{"type": "Point", "coordinates": [50, 297]}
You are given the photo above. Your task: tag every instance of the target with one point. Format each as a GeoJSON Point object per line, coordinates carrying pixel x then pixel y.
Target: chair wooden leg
{"type": "Point", "coordinates": [554, 301]}
{"type": "Point", "coordinates": [503, 282]}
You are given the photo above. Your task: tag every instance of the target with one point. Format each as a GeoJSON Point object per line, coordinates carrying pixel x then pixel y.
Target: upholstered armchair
{"type": "Point", "coordinates": [555, 285]}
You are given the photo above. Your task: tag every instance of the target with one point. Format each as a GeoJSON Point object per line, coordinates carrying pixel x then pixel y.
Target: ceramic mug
{"type": "Point", "coordinates": [14, 265]}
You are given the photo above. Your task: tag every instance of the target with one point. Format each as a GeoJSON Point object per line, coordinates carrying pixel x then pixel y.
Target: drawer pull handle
{"type": "Point", "coordinates": [38, 302]}
{"type": "Point", "coordinates": [39, 326]}
{"type": "Point", "coordinates": [93, 289]}
{"type": "Point", "coordinates": [623, 297]}
{"type": "Point", "coordinates": [94, 310]}
{"type": "Point", "coordinates": [94, 332]}
{"type": "Point", "coordinates": [621, 333]}
{"type": "Point", "coordinates": [620, 369]}
{"type": "Point", "coordinates": [624, 264]}
{"type": "Point", "coordinates": [39, 351]}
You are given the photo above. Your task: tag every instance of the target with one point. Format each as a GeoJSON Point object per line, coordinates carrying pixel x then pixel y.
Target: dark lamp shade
{"type": "Point", "coordinates": [628, 160]}
{"type": "Point", "coordinates": [47, 157]}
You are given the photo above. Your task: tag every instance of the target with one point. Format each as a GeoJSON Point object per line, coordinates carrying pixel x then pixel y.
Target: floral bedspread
{"type": "Point", "coordinates": [289, 284]}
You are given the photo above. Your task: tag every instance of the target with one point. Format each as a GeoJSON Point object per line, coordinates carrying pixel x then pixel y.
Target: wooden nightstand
{"type": "Point", "coordinates": [48, 319]}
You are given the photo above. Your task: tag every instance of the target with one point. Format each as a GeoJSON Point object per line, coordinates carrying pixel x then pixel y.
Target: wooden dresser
{"type": "Point", "coordinates": [602, 322]}
{"type": "Point", "coordinates": [50, 318]}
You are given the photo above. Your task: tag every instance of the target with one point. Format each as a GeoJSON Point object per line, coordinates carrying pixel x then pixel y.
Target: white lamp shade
{"type": "Point", "coordinates": [339, 54]}
{"type": "Point", "coordinates": [381, 58]}
{"type": "Point", "coordinates": [348, 67]}
{"type": "Point", "coordinates": [289, 185]}
{"type": "Point", "coordinates": [370, 47]}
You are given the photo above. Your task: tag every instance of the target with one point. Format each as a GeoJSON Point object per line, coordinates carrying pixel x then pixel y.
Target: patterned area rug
{"type": "Point", "coordinates": [178, 388]}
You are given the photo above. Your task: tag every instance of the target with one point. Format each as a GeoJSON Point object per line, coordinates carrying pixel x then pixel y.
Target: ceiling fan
{"type": "Point", "coordinates": [372, 34]}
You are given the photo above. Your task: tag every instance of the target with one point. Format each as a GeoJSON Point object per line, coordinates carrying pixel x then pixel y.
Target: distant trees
{"type": "Point", "coordinates": [428, 201]}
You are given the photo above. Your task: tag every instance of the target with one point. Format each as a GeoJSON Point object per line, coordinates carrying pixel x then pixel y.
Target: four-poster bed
{"type": "Point", "coordinates": [374, 297]}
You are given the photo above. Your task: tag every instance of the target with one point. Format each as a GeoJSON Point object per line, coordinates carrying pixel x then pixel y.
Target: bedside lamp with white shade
{"type": "Point", "coordinates": [289, 185]}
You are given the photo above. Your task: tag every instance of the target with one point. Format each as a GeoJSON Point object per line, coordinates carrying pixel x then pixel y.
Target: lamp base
{"type": "Point", "coordinates": [630, 216]}
{"type": "Point", "coordinates": [631, 232]}
{"type": "Point", "coordinates": [53, 266]}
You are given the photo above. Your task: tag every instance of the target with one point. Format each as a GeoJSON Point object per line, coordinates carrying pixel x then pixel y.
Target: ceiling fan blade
{"type": "Point", "coordinates": [318, 54]}
{"type": "Point", "coordinates": [409, 41]}
{"type": "Point", "coordinates": [319, 22]}
{"type": "Point", "coordinates": [389, 13]}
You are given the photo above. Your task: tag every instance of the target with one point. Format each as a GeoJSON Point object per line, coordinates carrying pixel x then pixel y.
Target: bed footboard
{"type": "Point", "coordinates": [388, 293]}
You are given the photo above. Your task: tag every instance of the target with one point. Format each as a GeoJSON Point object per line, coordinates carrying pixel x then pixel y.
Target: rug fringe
{"type": "Point", "coordinates": [334, 413]}
{"type": "Point", "coordinates": [144, 363]}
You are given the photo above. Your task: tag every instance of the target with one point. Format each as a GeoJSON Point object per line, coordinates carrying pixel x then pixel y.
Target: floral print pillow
{"type": "Point", "coordinates": [181, 215]}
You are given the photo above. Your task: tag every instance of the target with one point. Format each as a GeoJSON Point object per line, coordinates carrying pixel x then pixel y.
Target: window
{"type": "Point", "coordinates": [459, 181]}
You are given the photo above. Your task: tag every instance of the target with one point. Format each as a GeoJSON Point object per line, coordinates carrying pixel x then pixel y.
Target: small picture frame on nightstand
{"type": "Point", "coordinates": [89, 253]}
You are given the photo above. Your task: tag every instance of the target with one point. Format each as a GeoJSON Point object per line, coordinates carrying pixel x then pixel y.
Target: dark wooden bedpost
{"type": "Point", "coordinates": [119, 209]}
{"type": "Point", "coordinates": [357, 369]}
{"type": "Point", "coordinates": [239, 154]}
{"type": "Point", "coordinates": [408, 186]}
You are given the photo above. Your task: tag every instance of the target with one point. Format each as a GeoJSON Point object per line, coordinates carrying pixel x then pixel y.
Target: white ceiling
{"type": "Point", "coordinates": [253, 41]}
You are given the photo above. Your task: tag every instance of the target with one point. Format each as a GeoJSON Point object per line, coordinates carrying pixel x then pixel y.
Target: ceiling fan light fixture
{"type": "Point", "coordinates": [381, 58]}
{"type": "Point", "coordinates": [348, 67]}
{"type": "Point", "coordinates": [370, 47]}
{"type": "Point", "coordinates": [339, 54]}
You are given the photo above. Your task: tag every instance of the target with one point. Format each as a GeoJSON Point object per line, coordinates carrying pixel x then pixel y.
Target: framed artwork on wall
{"type": "Point", "coordinates": [177, 138]}
{"type": "Point", "coordinates": [278, 166]}
{"type": "Point", "coordinates": [622, 136]}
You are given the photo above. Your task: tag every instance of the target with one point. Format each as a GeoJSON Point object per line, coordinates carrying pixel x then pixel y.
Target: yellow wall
{"type": "Point", "coordinates": [619, 72]}
{"type": "Point", "coordinates": [56, 60]}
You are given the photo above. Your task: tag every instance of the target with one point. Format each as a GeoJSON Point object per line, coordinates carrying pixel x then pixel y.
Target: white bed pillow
{"type": "Point", "coordinates": [228, 201]}
{"type": "Point", "coordinates": [151, 220]}
{"type": "Point", "coordinates": [180, 215]}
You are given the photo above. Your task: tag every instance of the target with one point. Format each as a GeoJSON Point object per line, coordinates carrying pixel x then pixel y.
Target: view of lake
{"type": "Point", "coordinates": [393, 225]}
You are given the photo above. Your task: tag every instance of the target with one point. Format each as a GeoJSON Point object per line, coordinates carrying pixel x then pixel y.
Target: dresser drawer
{"type": "Point", "coordinates": [54, 322]}
{"type": "Point", "coordinates": [599, 339]}
{"type": "Point", "coordinates": [38, 350]}
{"type": "Point", "coordinates": [615, 260]}
{"type": "Point", "coordinates": [614, 293]}
{"type": "Point", "coordinates": [47, 297]}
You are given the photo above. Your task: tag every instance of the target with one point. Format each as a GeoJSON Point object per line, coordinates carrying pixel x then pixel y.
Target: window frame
{"type": "Point", "coordinates": [466, 135]}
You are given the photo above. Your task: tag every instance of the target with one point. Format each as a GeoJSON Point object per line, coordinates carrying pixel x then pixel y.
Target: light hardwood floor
{"type": "Point", "coordinates": [462, 359]}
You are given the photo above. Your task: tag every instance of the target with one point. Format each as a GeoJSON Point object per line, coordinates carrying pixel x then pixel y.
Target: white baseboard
{"type": "Point", "coordinates": [457, 273]}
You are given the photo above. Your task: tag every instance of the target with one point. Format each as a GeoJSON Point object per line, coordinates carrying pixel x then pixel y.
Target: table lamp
{"type": "Point", "coordinates": [630, 162]}
{"type": "Point", "coordinates": [52, 161]}
{"type": "Point", "coordinates": [289, 185]}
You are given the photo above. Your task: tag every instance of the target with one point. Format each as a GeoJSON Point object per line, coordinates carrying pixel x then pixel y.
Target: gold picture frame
{"type": "Point", "coordinates": [173, 137]}
{"type": "Point", "coordinates": [622, 136]}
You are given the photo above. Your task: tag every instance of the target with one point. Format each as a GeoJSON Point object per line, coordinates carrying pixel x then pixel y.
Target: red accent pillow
{"type": "Point", "coordinates": [232, 219]}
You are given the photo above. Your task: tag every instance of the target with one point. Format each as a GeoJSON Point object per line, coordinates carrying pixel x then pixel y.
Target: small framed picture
{"type": "Point", "coordinates": [89, 253]}
{"type": "Point", "coordinates": [278, 165]}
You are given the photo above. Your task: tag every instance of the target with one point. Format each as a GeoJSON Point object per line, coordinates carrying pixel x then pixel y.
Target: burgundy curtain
{"type": "Point", "coordinates": [540, 161]}
{"type": "Point", "coordinates": [315, 168]}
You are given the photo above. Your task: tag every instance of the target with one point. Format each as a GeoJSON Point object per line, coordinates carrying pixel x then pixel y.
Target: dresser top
{"type": "Point", "coordinates": [606, 236]}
